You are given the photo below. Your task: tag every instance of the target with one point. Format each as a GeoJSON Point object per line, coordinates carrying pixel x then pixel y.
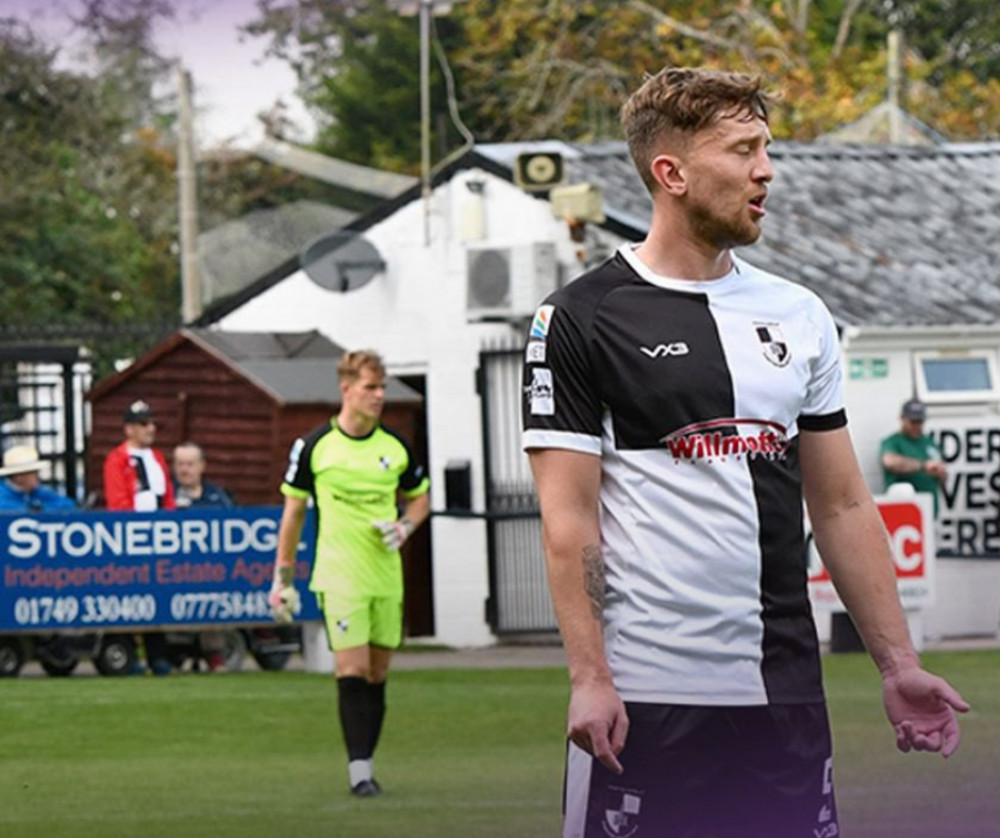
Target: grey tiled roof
{"type": "Point", "coordinates": [888, 236]}
{"type": "Point", "coordinates": [297, 367]}
{"type": "Point", "coordinates": [239, 251]}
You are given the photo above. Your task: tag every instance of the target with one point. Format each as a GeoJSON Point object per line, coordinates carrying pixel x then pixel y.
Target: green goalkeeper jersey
{"type": "Point", "coordinates": [354, 481]}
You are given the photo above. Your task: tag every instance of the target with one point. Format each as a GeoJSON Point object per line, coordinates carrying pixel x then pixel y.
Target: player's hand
{"type": "Point", "coordinates": [394, 533]}
{"type": "Point", "coordinates": [598, 723]}
{"type": "Point", "coordinates": [284, 601]}
{"type": "Point", "coordinates": [921, 708]}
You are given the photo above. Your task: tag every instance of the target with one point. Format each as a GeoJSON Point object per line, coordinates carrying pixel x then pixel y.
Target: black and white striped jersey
{"type": "Point", "coordinates": [693, 394]}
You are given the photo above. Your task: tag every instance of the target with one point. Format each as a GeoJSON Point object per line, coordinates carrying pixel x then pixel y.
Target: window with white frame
{"type": "Point", "coordinates": [957, 376]}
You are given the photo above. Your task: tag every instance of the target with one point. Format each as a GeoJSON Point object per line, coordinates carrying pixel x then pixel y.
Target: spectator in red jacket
{"type": "Point", "coordinates": [136, 478]}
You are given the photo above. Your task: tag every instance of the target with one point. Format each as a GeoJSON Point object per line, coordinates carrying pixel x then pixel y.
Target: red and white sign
{"type": "Point", "coordinates": [909, 522]}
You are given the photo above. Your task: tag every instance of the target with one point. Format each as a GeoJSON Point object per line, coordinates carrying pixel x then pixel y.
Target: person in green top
{"type": "Point", "coordinates": [910, 455]}
{"type": "Point", "coordinates": [357, 472]}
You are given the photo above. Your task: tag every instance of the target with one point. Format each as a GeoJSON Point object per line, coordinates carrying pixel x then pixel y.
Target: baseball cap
{"type": "Point", "coordinates": [138, 412]}
{"type": "Point", "coordinates": [914, 410]}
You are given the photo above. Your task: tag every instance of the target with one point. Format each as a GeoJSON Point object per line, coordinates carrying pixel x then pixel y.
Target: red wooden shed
{"type": "Point", "coordinates": [245, 397]}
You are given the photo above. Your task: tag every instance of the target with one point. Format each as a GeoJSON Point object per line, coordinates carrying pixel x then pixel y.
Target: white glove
{"type": "Point", "coordinates": [285, 602]}
{"type": "Point", "coordinates": [394, 533]}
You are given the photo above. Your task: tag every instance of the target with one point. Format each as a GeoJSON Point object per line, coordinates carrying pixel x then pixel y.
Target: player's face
{"type": "Point", "coordinates": [188, 466]}
{"type": "Point", "coordinates": [728, 170]}
{"type": "Point", "coordinates": [365, 397]}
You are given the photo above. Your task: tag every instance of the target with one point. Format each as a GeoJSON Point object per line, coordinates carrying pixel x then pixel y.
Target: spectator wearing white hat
{"type": "Point", "coordinates": [22, 490]}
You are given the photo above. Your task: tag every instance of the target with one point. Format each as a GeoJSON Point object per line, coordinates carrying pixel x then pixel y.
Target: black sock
{"type": "Point", "coordinates": [352, 700]}
{"type": "Point", "coordinates": [376, 712]}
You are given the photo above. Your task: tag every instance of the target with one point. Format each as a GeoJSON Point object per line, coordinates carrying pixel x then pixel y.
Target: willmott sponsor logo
{"type": "Point", "coordinates": [720, 439]}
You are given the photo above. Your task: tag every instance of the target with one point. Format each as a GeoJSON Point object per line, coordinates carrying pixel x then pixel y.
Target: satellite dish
{"type": "Point", "coordinates": [341, 261]}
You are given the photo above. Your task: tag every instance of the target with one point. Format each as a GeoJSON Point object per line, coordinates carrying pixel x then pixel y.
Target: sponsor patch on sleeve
{"type": "Point", "coordinates": [534, 353]}
{"type": "Point", "coordinates": [541, 394]}
{"type": "Point", "coordinates": [541, 322]}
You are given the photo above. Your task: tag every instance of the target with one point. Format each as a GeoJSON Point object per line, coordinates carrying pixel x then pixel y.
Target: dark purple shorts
{"type": "Point", "coordinates": [709, 772]}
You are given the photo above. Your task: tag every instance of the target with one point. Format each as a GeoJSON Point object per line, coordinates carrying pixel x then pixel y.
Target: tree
{"type": "Point", "coordinates": [527, 69]}
{"type": "Point", "coordinates": [358, 69]}
{"type": "Point", "coordinates": [80, 246]}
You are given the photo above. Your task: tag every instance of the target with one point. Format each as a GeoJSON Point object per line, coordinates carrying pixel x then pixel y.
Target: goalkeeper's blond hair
{"type": "Point", "coordinates": [351, 364]}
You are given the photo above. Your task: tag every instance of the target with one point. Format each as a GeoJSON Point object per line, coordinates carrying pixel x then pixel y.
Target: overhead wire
{"type": "Point", "coordinates": [449, 81]}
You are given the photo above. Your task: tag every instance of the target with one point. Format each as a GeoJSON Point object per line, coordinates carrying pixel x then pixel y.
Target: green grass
{"type": "Point", "coordinates": [465, 754]}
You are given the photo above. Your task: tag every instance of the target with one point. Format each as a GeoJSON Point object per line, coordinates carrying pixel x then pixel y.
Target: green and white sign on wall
{"type": "Point", "coordinates": [863, 368]}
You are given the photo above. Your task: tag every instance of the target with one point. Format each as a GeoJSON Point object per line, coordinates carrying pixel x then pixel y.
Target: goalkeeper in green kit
{"type": "Point", "coordinates": [357, 472]}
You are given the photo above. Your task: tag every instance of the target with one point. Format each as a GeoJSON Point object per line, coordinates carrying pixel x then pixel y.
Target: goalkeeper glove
{"type": "Point", "coordinates": [283, 598]}
{"type": "Point", "coordinates": [394, 533]}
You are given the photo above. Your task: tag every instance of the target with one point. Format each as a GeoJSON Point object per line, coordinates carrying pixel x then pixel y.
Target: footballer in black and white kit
{"type": "Point", "coordinates": [693, 394]}
{"type": "Point", "coordinates": [676, 428]}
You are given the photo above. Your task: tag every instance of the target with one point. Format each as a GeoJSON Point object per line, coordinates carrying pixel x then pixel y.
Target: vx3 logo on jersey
{"type": "Point", "coordinates": [663, 350]}
{"type": "Point", "coordinates": [718, 439]}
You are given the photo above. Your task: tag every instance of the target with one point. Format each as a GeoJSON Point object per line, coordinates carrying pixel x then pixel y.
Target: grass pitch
{"type": "Point", "coordinates": [465, 754]}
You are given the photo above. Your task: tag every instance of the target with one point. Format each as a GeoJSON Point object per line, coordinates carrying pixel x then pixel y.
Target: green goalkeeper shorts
{"type": "Point", "coordinates": [351, 622]}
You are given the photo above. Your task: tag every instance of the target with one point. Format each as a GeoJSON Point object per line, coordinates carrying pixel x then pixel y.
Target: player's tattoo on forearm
{"type": "Point", "coordinates": [593, 579]}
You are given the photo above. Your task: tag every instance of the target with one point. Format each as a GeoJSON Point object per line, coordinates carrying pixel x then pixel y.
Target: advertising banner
{"type": "Point", "coordinates": [118, 570]}
{"type": "Point", "coordinates": [909, 522]}
{"type": "Point", "coordinates": [968, 525]}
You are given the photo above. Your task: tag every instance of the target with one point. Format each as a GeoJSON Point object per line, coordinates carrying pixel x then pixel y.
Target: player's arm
{"type": "Point", "coordinates": [283, 597]}
{"type": "Point", "coordinates": [417, 509]}
{"type": "Point", "coordinates": [395, 533]}
{"type": "Point", "coordinates": [568, 483]}
{"type": "Point", "coordinates": [852, 541]}
{"type": "Point", "coordinates": [293, 517]}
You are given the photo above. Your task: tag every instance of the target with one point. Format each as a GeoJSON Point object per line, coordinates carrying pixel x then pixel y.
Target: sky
{"type": "Point", "coordinates": [233, 81]}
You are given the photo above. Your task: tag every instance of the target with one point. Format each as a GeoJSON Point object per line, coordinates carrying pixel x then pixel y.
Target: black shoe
{"type": "Point", "coordinates": [366, 788]}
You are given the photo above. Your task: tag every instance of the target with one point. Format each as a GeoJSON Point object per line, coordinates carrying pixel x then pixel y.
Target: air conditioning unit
{"type": "Point", "coordinates": [508, 283]}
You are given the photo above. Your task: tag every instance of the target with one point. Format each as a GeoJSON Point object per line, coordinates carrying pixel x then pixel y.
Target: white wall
{"type": "Point", "coordinates": [414, 314]}
{"type": "Point", "coordinates": [968, 591]}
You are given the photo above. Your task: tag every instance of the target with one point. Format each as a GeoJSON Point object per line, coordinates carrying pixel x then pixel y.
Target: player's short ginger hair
{"type": "Point", "coordinates": [351, 364]}
{"type": "Point", "coordinates": [678, 102]}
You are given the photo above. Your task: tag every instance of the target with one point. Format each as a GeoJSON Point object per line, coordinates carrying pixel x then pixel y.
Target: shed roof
{"type": "Point", "coordinates": [292, 367]}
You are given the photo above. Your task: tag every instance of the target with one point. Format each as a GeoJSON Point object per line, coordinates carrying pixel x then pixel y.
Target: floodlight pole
{"type": "Point", "coordinates": [191, 302]}
{"type": "Point", "coordinates": [425, 8]}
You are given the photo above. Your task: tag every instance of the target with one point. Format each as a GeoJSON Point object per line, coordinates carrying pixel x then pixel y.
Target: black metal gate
{"type": "Point", "coordinates": [41, 404]}
{"type": "Point", "coordinates": [519, 599]}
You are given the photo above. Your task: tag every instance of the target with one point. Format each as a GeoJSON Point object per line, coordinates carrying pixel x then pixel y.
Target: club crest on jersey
{"type": "Point", "coordinates": [773, 343]}
{"type": "Point", "coordinates": [622, 821]}
{"type": "Point", "coordinates": [342, 626]}
{"type": "Point", "coordinates": [720, 439]}
{"type": "Point", "coordinates": [384, 462]}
